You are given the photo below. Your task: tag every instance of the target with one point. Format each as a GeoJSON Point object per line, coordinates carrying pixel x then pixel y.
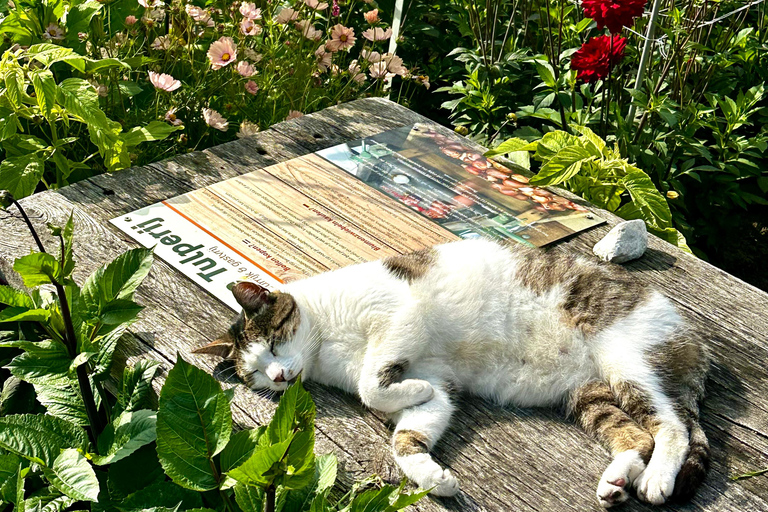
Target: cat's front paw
{"type": "Point", "coordinates": [617, 477]}
{"type": "Point", "coordinates": [418, 391]}
{"type": "Point", "coordinates": [442, 482]}
{"type": "Point", "coordinates": [655, 486]}
{"type": "Point", "coordinates": [611, 493]}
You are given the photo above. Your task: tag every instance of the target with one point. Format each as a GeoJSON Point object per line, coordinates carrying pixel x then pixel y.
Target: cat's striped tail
{"type": "Point", "coordinates": [696, 463]}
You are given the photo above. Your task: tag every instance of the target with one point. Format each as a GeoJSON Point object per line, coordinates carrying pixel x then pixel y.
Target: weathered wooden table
{"type": "Point", "coordinates": [505, 459]}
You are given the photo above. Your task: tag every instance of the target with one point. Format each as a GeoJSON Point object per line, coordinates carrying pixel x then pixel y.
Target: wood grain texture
{"type": "Point", "coordinates": [506, 459]}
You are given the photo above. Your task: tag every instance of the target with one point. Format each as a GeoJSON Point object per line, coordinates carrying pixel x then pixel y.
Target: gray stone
{"type": "Point", "coordinates": [626, 241]}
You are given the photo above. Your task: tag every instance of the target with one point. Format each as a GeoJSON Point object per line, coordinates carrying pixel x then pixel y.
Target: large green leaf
{"type": "Point", "coordinates": [126, 434]}
{"type": "Point", "coordinates": [37, 268]}
{"type": "Point", "coordinates": [61, 398]}
{"type": "Point", "coordinates": [41, 361]}
{"type": "Point", "coordinates": [155, 130]}
{"type": "Point", "coordinates": [551, 143]}
{"type": "Point", "coordinates": [48, 54]}
{"type": "Point", "coordinates": [117, 280]}
{"type": "Point", "coordinates": [324, 478]}
{"type": "Point", "coordinates": [80, 100]}
{"type": "Point", "coordinates": [562, 166]}
{"type": "Point", "coordinates": [261, 468]}
{"type": "Point", "coordinates": [10, 465]}
{"type": "Point", "coordinates": [45, 91]}
{"type": "Point", "coordinates": [20, 174]}
{"type": "Point", "coordinates": [240, 447]}
{"type": "Point", "coordinates": [135, 472]}
{"type": "Point", "coordinates": [73, 475]}
{"type": "Point", "coordinates": [39, 437]}
{"type": "Point", "coordinates": [15, 314]}
{"type": "Point", "coordinates": [194, 424]}
{"type": "Point", "coordinates": [647, 198]}
{"type": "Point", "coordinates": [105, 350]}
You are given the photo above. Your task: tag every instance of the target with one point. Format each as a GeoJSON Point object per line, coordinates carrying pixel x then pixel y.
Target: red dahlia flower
{"type": "Point", "coordinates": [614, 14]}
{"type": "Point", "coordinates": [595, 58]}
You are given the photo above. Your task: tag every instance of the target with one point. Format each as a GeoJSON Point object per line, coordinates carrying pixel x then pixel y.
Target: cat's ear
{"type": "Point", "coordinates": [222, 347]}
{"type": "Point", "coordinates": [250, 296]}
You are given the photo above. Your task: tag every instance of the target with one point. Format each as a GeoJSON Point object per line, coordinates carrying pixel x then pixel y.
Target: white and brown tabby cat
{"type": "Point", "coordinates": [515, 325]}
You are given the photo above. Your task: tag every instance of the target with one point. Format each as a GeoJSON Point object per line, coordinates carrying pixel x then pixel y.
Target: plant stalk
{"type": "Point", "coordinates": [645, 55]}
{"type": "Point", "coordinates": [269, 505]}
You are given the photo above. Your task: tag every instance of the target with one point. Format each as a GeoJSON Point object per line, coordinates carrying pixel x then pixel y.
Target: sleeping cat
{"type": "Point", "coordinates": [515, 325]}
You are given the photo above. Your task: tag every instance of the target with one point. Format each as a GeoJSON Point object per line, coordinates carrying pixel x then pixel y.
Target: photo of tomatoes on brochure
{"type": "Point", "coordinates": [458, 188]}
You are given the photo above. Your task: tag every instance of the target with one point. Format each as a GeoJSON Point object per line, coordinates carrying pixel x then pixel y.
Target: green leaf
{"type": "Point", "coordinates": [510, 146]}
{"type": "Point", "coordinates": [13, 76]}
{"type": "Point", "coordinates": [652, 205]}
{"type": "Point", "coordinates": [79, 18]}
{"type": "Point", "coordinates": [162, 494]}
{"type": "Point", "coordinates": [73, 475]}
{"type": "Point", "coordinates": [250, 498]}
{"type": "Point", "coordinates": [136, 386]}
{"type": "Point", "coordinates": [240, 448]}
{"type": "Point", "coordinates": [48, 54]}
{"type": "Point", "coordinates": [15, 314]}
{"type": "Point", "coordinates": [80, 100]}
{"type": "Point", "coordinates": [117, 280]}
{"type": "Point", "coordinates": [41, 360]}
{"type": "Point", "coordinates": [194, 423]}
{"type": "Point", "coordinates": [260, 469]}
{"type": "Point", "coordinates": [17, 397]}
{"type": "Point", "coordinates": [562, 166]}
{"type": "Point", "coordinates": [546, 73]}
{"type": "Point", "coordinates": [13, 297]}
{"type": "Point", "coordinates": [8, 124]}
{"type": "Point", "coordinates": [126, 434]}
{"type": "Point", "coordinates": [135, 472]}
{"type": "Point", "coordinates": [10, 466]}
{"type": "Point", "coordinates": [20, 175]}
{"type": "Point", "coordinates": [594, 144]}
{"type": "Point", "coordinates": [39, 437]}
{"type": "Point", "coordinates": [45, 91]}
{"type": "Point", "coordinates": [551, 143]}
{"type": "Point", "coordinates": [129, 89]}
{"type": "Point", "coordinates": [93, 66]}
{"type": "Point", "coordinates": [61, 398]}
{"type": "Point", "coordinates": [106, 346]}
{"type": "Point", "coordinates": [37, 268]}
{"type": "Point", "coordinates": [120, 311]}
{"type": "Point", "coordinates": [155, 130]}
{"type": "Point", "coordinates": [295, 412]}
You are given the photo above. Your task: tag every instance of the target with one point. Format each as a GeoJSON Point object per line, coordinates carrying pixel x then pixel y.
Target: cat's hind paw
{"type": "Point", "coordinates": [442, 482]}
{"type": "Point", "coordinates": [655, 486]}
{"type": "Point", "coordinates": [612, 493]}
{"type": "Point", "coordinates": [617, 477]}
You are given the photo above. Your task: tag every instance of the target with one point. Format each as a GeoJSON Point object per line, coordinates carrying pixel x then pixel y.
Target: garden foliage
{"type": "Point", "coordinates": [525, 69]}
{"type": "Point", "coordinates": [90, 86]}
{"type": "Point", "coordinates": [77, 431]}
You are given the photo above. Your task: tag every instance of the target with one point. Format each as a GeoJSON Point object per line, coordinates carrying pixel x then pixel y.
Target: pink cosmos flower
{"type": "Point", "coordinates": [170, 116]}
{"type": "Point", "coordinates": [130, 20]}
{"type": "Point", "coordinates": [161, 43]}
{"type": "Point", "coordinates": [251, 87]}
{"type": "Point", "coordinates": [314, 4]}
{"type": "Point", "coordinates": [323, 59]}
{"type": "Point", "coordinates": [372, 16]}
{"type": "Point", "coordinates": [148, 4]}
{"type": "Point", "coordinates": [250, 11]}
{"type": "Point", "coordinates": [249, 28]}
{"type": "Point", "coordinates": [342, 38]}
{"type": "Point", "coordinates": [53, 32]}
{"type": "Point", "coordinates": [394, 64]}
{"type": "Point", "coordinates": [286, 15]}
{"type": "Point", "coordinates": [377, 34]}
{"type": "Point", "coordinates": [308, 30]}
{"type": "Point", "coordinates": [164, 82]}
{"type": "Point", "coordinates": [293, 114]}
{"type": "Point", "coordinates": [378, 69]}
{"type": "Point", "coordinates": [247, 129]}
{"type": "Point", "coordinates": [200, 15]}
{"type": "Point", "coordinates": [371, 56]}
{"type": "Point", "coordinates": [245, 69]}
{"type": "Point", "coordinates": [354, 71]}
{"type": "Point", "coordinates": [222, 52]}
{"type": "Point", "coordinates": [215, 120]}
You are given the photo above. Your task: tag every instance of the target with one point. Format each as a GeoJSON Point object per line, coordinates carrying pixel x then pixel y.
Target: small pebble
{"type": "Point", "coordinates": [627, 241]}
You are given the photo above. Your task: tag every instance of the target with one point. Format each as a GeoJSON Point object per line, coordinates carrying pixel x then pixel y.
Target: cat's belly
{"type": "Point", "coordinates": [528, 372]}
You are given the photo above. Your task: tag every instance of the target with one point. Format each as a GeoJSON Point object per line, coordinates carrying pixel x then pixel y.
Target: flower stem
{"type": "Point", "coordinates": [269, 505]}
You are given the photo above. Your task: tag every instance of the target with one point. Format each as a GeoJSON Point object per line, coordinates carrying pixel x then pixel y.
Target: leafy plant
{"type": "Point", "coordinates": [585, 165]}
{"type": "Point", "coordinates": [65, 440]}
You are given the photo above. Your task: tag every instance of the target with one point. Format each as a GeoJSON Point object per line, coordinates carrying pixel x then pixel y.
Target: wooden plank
{"type": "Point", "coordinates": [505, 459]}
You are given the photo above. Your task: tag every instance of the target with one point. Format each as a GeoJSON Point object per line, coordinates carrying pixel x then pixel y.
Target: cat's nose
{"type": "Point", "coordinates": [279, 377]}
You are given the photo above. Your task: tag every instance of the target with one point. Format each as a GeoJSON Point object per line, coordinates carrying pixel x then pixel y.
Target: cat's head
{"type": "Point", "coordinates": [264, 340]}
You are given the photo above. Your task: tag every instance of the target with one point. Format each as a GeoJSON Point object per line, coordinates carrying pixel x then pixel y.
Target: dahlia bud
{"type": "Point", "coordinates": [461, 130]}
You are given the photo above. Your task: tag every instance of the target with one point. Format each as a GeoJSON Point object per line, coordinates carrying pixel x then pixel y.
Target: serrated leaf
{"type": "Point", "coordinates": [42, 360]}
{"type": "Point", "coordinates": [510, 146]}
{"type": "Point", "coordinates": [106, 346]}
{"type": "Point", "coordinates": [13, 297]}
{"type": "Point", "coordinates": [594, 143]}
{"type": "Point", "coordinates": [39, 437]}
{"type": "Point", "coordinates": [155, 130]}
{"type": "Point", "coordinates": [250, 498]}
{"type": "Point", "coordinates": [136, 386]}
{"type": "Point", "coordinates": [260, 468]}
{"type": "Point", "coordinates": [240, 447]}
{"type": "Point", "coordinates": [48, 54]}
{"type": "Point", "coordinates": [61, 398]}
{"type": "Point", "coordinates": [20, 314]}
{"type": "Point", "coordinates": [126, 434]}
{"type": "Point", "coordinates": [561, 167]}
{"type": "Point", "coordinates": [551, 143]}
{"type": "Point", "coordinates": [647, 198]}
{"type": "Point", "coordinates": [10, 465]}
{"type": "Point", "coordinates": [45, 91]}
{"type": "Point", "coordinates": [73, 475]}
{"type": "Point", "coordinates": [17, 397]}
{"type": "Point", "coordinates": [194, 424]}
{"type": "Point", "coordinates": [117, 280]}
{"type": "Point", "coordinates": [20, 174]}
